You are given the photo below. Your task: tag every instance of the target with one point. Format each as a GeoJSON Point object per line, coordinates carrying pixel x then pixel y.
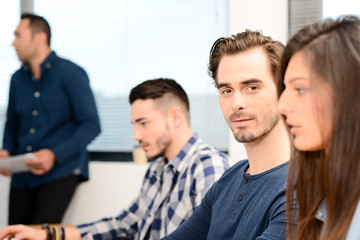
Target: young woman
{"type": "Point", "coordinates": [321, 103]}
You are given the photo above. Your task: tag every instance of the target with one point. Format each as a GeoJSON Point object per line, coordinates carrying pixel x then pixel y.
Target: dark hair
{"type": "Point", "coordinates": [332, 51]}
{"type": "Point", "coordinates": [38, 24]}
{"type": "Point", "coordinates": [160, 88]}
{"type": "Point", "coordinates": [241, 42]}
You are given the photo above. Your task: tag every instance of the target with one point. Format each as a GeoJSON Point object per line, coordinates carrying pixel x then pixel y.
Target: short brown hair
{"type": "Point", "coordinates": [160, 88]}
{"type": "Point", "coordinates": [241, 42]}
{"type": "Point", "coordinates": [38, 24]}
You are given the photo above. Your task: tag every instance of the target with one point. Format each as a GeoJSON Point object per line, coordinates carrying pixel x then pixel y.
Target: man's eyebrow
{"type": "Point", "coordinates": [138, 120]}
{"type": "Point", "coordinates": [220, 85]}
{"type": "Point", "coordinates": [249, 81]}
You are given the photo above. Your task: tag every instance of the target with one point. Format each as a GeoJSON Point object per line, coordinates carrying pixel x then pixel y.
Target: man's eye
{"type": "Point", "coordinates": [225, 91]}
{"type": "Point", "coordinates": [144, 123]}
{"type": "Point", "coordinates": [253, 88]}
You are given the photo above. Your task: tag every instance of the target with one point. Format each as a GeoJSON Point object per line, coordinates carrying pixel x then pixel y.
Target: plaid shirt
{"type": "Point", "coordinates": [169, 195]}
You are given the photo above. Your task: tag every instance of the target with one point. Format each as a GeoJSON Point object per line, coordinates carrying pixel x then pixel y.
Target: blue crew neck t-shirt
{"type": "Point", "coordinates": [240, 206]}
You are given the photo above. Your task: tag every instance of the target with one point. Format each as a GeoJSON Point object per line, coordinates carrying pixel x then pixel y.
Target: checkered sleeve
{"type": "Point", "coordinates": [209, 167]}
{"type": "Point", "coordinates": [123, 226]}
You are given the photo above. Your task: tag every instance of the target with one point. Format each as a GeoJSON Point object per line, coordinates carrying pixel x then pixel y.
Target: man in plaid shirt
{"type": "Point", "coordinates": [177, 180]}
{"type": "Point", "coordinates": [183, 170]}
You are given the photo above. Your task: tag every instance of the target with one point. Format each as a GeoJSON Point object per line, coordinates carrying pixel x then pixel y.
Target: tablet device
{"type": "Point", "coordinates": [16, 164]}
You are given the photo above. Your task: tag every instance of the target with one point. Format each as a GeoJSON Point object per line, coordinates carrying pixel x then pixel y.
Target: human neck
{"type": "Point", "coordinates": [37, 60]}
{"type": "Point", "coordinates": [270, 151]}
{"type": "Point", "coordinates": [178, 142]}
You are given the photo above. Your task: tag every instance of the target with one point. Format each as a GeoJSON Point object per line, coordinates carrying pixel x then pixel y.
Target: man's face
{"type": "Point", "coordinates": [247, 93]}
{"type": "Point", "coordinates": [151, 128]}
{"type": "Point", "coordinates": [24, 42]}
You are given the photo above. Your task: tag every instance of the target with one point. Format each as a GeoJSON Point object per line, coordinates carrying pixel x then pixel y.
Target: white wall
{"type": "Point", "coordinates": [4, 199]}
{"type": "Point", "coordinates": [271, 17]}
{"type": "Point", "coordinates": [112, 187]}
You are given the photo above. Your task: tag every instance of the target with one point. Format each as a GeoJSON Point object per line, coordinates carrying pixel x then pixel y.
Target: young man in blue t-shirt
{"type": "Point", "coordinates": [248, 202]}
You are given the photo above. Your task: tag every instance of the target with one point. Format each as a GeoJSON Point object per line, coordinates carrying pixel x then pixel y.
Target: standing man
{"type": "Point", "coordinates": [248, 202]}
{"type": "Point", "coordinates": [183, 170]}
{"type": "Point", "coordinates": [52, 113]}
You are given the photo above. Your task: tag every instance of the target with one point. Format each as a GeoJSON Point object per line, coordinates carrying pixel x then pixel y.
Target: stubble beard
{"type": "Point", "coordinates": [244, 135]}
{"type": "Point", "coordinates": [162, 144]}
{"type": "Point", "coordinates": [157, 155]}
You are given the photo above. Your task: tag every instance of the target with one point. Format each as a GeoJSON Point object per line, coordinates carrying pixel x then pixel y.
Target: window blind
{"type": "Point", "coordinates": [121, 43]}
{"type": "Point", "coordinates": [303, 12]}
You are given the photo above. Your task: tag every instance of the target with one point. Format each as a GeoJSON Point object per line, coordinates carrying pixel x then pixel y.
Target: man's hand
{"type": "Point", "coordinates": [4, 154]}
{"type": "Point", "coordinates": [22, 232]}
{"type": "Point", "coordinates": [45, 161]}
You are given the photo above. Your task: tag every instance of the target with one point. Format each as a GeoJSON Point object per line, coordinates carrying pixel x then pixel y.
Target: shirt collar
{"type": "Point", "coordinates": [46, 64]}
{"type": "Point", "coordinates": [179, 163]}
{"type": "Point", "coordinates": [321, 211]}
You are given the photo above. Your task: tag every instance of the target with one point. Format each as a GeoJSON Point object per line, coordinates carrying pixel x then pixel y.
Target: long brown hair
{"type": "Point", "coordinates": [332, 51]}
